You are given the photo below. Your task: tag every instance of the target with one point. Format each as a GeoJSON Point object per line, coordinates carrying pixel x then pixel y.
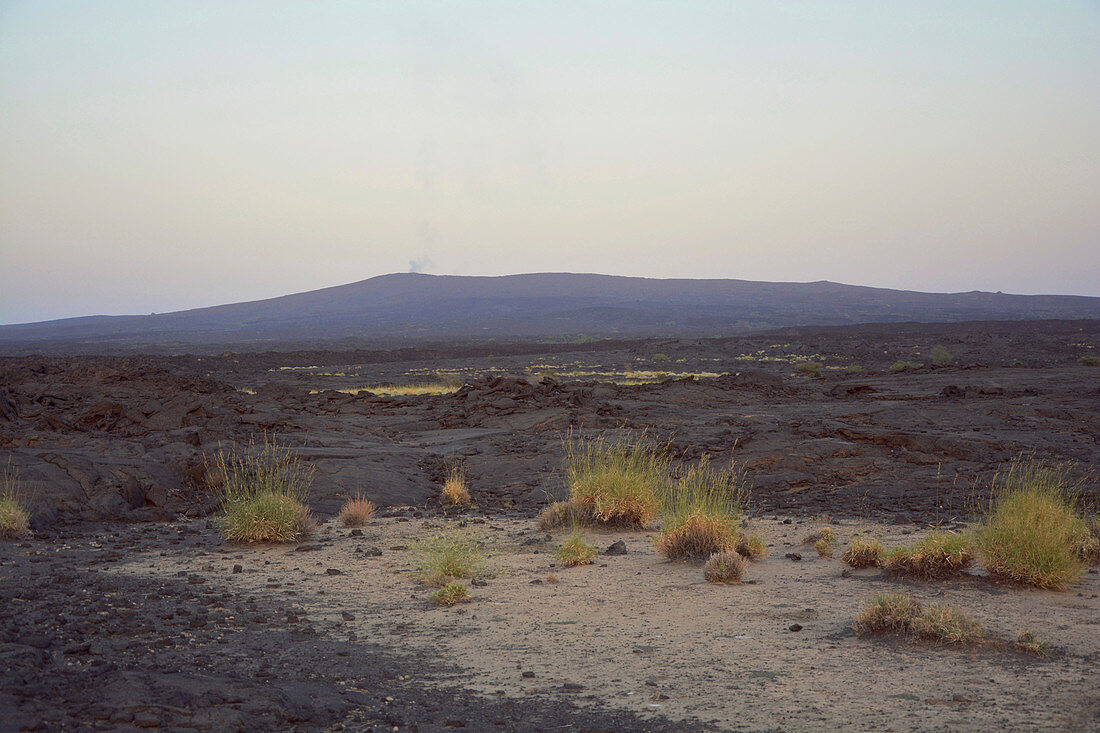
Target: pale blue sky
{"type": "Point", "coordinates": [159, 156]}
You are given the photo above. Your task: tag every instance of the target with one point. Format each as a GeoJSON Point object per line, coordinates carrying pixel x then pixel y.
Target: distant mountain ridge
{"type": "Point", "coordinates": [417, 307]}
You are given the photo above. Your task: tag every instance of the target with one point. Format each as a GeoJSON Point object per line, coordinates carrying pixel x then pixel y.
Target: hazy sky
{"type": "Point", "coordinates": [163, 155]}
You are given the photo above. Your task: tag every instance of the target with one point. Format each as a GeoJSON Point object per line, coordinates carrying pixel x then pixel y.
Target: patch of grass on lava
{"type": "Point", "coordinates": [14, 521]}
{"type": "Point", "coordinates": [1032, 532]}
{"type": "Point", "coordinates": [448, 555]}
{"type": "Point", "coordinates": [701, 514]}
{"type": "Point", "coordinates": [621, 482]}
{"type": "Point", "coordinates": [263, 494]}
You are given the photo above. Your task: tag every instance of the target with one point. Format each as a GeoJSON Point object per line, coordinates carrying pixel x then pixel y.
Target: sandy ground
{"type": "Point", "coordinates": [637, 633]}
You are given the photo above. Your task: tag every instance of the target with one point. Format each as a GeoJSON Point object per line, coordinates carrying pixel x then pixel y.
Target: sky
{"type": "Point", "coordinates": [156, 156]}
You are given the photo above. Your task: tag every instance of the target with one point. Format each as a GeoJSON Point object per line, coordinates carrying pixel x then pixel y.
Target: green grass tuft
{"type": "Point", "coordinates": [450, 554]}
{"type": "Point", "coordinates": [450, 594]}
{"type": "Point", "coordinates": [263, 492]}
{"type": "Point", "coordinates": [621, 482]}
{"type": "Point", "coordinates": [575, 551]}
{"type": "Point", "coordinates": [1032, 533]}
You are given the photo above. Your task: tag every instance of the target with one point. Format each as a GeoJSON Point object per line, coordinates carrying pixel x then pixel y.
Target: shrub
{"type": "Point", "coordinates": [751, 547]}
{"type": "Point", "coordinates": [824, 549]}
{"type": "Point", "coordinates": [447, 555]}
{"type": "Point", "coordinates": [450, 594]}
{"type": "Point", "coordinates": [455, 492]}
{"type": "Point", "coordinates": [263, 493]}
{"type": "Point", "coordinates": [357, 511]}
{"type": "Point", "coordinates": [660, 357]}
{"type": "Point", "coordinates": [701, 515]}
{"type": "Point", "coordinates": [14, 521]}
{"type": "Point", "coordinates": [939, 555]}
{"type": "Point", "coordinates": [810, 369]}
{"type": "Point", "coordinates": [1032, 533]}
{"type": "Point", "coordinates": [725, 567]}
{"type": "Point", "coordinates": [889, 612]}
{"type": "Point", "coordinates": [1032, 644]}
{"type": "Point", "coordinates": [565, 514]}
{"type": "Point", "coordinates": [901, 366]}
{"type": "Point", "coordinates": [1089, 361]}
{"type": "Point", "coordinates": [621, 483]}
{"type": "Point", "coordinates": [941, 356]}
{"type": "Point", "coordinates": [897, 613]}
{"type": "Point", "coordinates": [863, 553]}
{"type": "Point", "coordinates": [575, 551]}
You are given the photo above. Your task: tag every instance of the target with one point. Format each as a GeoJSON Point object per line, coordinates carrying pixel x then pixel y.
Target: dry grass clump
{"type": "Point", "coordinates": [575, 551]}
{"type": "Point", "coordinates": [1032, 533]}
{"type": "Point", "coordinates": [356, 512]}
{"type": "Point", "coordinates": [863, 553]}
{"type": "Point", "coordinates": [1032, 644]}
{"type": "Point", "coordinates": [565, 514]}
{"type": "Point", "coordinates": [811, 369]}
{"type": "Point", "coordinates": [263, 493]}
{"type": "Point", "coordinates": [939, 555]}
{"type": "Point", "coordinates": [898, 613]}
{"type": "Point", "coordinates": [901, 366]}
{"type": "Point", "coordinates": [701, 515]}
{"type": "Point", "coordinates": [621, 482]}
{"type": "Point", "coordinates": [14, 521]}
{"type": "Point", "coordinates": [450, 594]}
{"type": "Point", "coordinates": [449, 554]}
{"type": "Point", "coordinates": [751, 547]}
{"type": "Point", "coordinates": [455, 492]}
{"type": "Point", "coordinates": [824, 548]}
{"type": "Point", "coordinates": [824, 541]}
{"type": "Point", "coordinates": [1089, 361]}
{"type": "Point", "coordinates": [725, 567]}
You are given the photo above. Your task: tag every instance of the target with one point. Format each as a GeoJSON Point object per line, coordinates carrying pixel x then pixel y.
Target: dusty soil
{"type": "Point", "coordinates": [124, 610]}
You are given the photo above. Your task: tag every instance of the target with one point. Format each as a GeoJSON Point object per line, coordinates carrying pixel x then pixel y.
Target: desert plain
{"type": "Point", "coordinates": [127, 609]}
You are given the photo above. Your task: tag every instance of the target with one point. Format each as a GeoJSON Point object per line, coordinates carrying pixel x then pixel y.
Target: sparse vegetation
{"type": "Point", "coordinates": [450, 594]}
{"type": "Point", "coordinates": [701, 514]}
{"type": "Point", "coordinates": [1032, 644]}
{"type": "Point", "coordinates": [824, 548]}
{"type": "Point", "coordinates": [1089, 361]}
{"type": "Point", "coordinates": [853, 369]}
{"type": "Point", "coordinates": [828, 534]}
{"type": "Point", "coordinates": [941, 356]}
{"type": "Point", "coordinates": [901, 366]}
{"type": "Point", "coordinates": [1032, 533]}
{"type": "Point", "coordinates": [263, 494]}
{"type": "Point", "coordinates": [455, 492]}
{"type": "Point", "coordinates": [660, 357]}
{"type": "Point", "coordinates": [565, 514]}
{"type": "Point", "coordinates": [14, 521]}
{"type": "Point", "coordinates": [939, 555]}
{"type": "Point", "coordinates": [898, 613]}
{"type": "Point", "coordinates": [620, 482]}
{"type": "Point", "coordinates": [725, 567]}
{"type": "Point", "coordinates": [357, 512]}
{"type": "Point", "coordinates": [575, 551]}
{"type": "Point", "coordinates": [448, 555]}
{"type": "Point", "coordinates": [751, 547]}
{"type": "Point", "coordinates": [811, 369]}
{"type": "Point", "coordinates": [863, 553]}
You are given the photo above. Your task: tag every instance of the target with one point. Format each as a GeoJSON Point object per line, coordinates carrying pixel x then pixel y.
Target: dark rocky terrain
{"type": "Point", "coordinates": [111, 448]}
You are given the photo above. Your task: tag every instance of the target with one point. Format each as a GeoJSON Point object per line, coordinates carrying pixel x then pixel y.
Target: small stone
{"type": "Point", "coordinates": [793, 556]}
{"type": "Point", "coordinates": [373, 552]}
{"type": "Point", "coordinates": [478, 583]}
{"type": "Point", "coordinates": [572, 687]}
{"type": "Point", "coordinates": [333, 571]}
{"type": "Point", "coordinates": [238, 569]}
{"type": "Point", "coordinates": [357, 533]}
{"type": "Point", "coordinates": [528, 675]}
{"type": "Point", "coordinates": [796, 627]}
{"type": "Point", "coordinates": [616, 548]}
{"type": "Point", "coordinates": [347, 616]}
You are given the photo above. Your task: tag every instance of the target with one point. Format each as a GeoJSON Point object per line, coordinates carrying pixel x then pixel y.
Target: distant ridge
{"type": "Point", "coordinates": [411, 308]}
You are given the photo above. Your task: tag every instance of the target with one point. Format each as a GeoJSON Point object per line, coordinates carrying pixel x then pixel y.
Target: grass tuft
{"type": "Point", "coordinates": [898, 613]}
{"type": "Point", "coordinates": [751, 547]}
{"type": "Point", "coordinates": [824, 548]}
{"type": "Point", "coordinates": [863, 553]}
{"type": "Point", "coordinates": [811, 369]}
{"type": "Point", "coordinates": [449, 555]}
{"type": "Point", "coordinates": [620, 482]}
{"type": "Point", "coordinates": [701, 514]}
{"type": "Point", "coordinates": [1089, 361]}
{"type": "Point", "coordinates": [725, 567]}
{"type": "Point", "coordinates": [1032, 644]}
{"type": "Point", "coordinates": [263, 493]}
{"type": "Point", "coordinates": [455, 492]}
{"type": "Point", "coordinates": [565, 514]}
{"type": "Point", "coordinates": [450, 594]}
{"type": "Point", "coordinates": [901, 366]}
{"type": "Point", "coordinates": [356, 512]}
{"type": "Point", "coordinates": [941, 356]}
{"type": "Point", "coordinates": [14, 519]}
{"type": "Point", "coordinates": [939, 555]}
{"type": "Point", "coordinates": [1032, 533]}
{"type": "Point", "coordinates": [575, 551]}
